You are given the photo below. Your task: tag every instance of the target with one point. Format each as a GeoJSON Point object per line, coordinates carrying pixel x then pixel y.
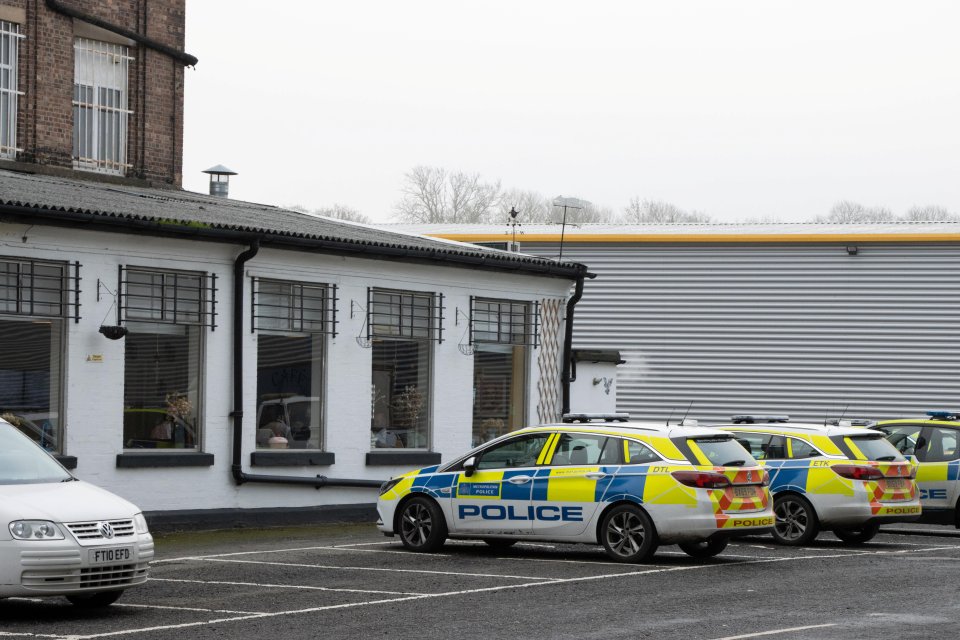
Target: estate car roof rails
{"type": "Point", "coordinates": [596, 417]}
{"type": "Point", "coordinates": [943, 415]}
{"type": "Point", "coordinates": [753, 419]}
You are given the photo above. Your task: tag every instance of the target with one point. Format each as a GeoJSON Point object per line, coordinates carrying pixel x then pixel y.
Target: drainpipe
{"type": "Point", "coordinates": [184, 58]}
{"type": "Point", "coordinates": [239, 476]}
{"type": "Point", "coordinates": [568, 342]}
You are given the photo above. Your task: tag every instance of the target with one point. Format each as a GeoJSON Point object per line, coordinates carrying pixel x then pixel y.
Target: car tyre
{"type": "Point", "coordinates": [795, 521]}
{"type": "Point", "coordinates": [858, 535]}
{"type": "Point", "coordinates": [704, 548]}
{"type": "Point", "coordinates": [499, 544]}
{"type": "Point", "coordinates": [422, 526]}
{"type": "Point", "coordinates": [95, 600]}
{"type": "Point", "coordinates": [627, 534]}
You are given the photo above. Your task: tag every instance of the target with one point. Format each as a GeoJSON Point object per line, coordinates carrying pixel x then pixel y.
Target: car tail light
{"type": "Point", "coordinates": [702, 479]}
{"type": "Point", "coordinates": [857, 472]}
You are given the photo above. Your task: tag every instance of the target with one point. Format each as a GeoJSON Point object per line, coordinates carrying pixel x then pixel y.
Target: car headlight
{"type": "Point", "coordinates": [35, 530]}
{"type": "Point", "coordinates": [140, 523]}
{"type": "Point", "coordinates": [389, 484]}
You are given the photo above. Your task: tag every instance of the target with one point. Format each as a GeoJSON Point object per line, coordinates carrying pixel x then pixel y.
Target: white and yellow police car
{"type": "Point", "coordinates": [832, 477]}
{"type": "Point", "coordinates": [935, 442]}
{"type": "Point", "coordinates": [627, 486]}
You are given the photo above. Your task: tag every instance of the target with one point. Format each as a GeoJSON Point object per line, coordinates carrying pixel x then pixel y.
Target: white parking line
{"type": "Point", "coordinates": [384, 569]}
{"type": "Point", "coordinates": [285, 586]}
{"type": "Point", "coordinates": [777, 631]}
{"type": "Point", "coordinates": [540, 583]}
{"type": "Point", "coordinates": [586, 563]}
{"type": "Point", "coordinates": [129, 605]}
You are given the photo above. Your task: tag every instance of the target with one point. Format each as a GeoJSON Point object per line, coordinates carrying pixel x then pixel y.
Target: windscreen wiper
{"type": "Point", "coordinates": [734, 463]}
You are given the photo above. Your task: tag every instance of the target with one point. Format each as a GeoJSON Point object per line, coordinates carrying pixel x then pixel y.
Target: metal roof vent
{"type": "Point", "coordinates": [220, 180]}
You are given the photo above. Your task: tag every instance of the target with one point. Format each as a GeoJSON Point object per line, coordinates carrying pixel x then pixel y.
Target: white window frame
{"type": "Point", "coordinates": [100, 101]}
{"type": "Point", "coordinates": [10, 37]}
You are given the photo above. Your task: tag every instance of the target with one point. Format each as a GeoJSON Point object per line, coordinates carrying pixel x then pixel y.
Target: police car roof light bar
{"type": "Point", "coordinates": [751, 419]}
{"type": "Point", "coordinates": [596, 417]}
{"type": "Point", "coordinates": [943, 415]}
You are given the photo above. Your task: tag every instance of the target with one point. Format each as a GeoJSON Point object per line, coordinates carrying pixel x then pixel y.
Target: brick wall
{"type": "Point", "coordinates": [155, 84]}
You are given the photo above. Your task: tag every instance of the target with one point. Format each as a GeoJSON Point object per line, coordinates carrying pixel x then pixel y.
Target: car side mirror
{"type": "Point", "coordinates": [470, 466]}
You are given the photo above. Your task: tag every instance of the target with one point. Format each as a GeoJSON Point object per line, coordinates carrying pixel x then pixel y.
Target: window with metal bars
{"type": "Point", "coordinates": [10, 37]}
{"type": "Point", "coordinates": [167, 297]}
{"type": "Point", "coordinates": [404, 314]}
{"type": "Point", "coordinates": [100, 112]}
{"type": "Point", "coordinates": [504, 322]}
{"type": "Point", "coordinates": [298, 307]}
{"type": "Point", "coordinates": [39, 288]}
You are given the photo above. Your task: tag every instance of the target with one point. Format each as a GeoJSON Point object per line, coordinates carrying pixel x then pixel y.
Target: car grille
{"type": "Point", "coordinates": [92, 577]}
{"type": "Point", "coordinates": [86, 531]}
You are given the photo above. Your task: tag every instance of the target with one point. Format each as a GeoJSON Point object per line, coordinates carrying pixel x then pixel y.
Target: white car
{"type": "Point", "coordinates": [60, 536]}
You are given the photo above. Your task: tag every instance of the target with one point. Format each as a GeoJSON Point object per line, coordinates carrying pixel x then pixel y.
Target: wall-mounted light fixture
{"type": "Point", "coordinates": [852, 249]}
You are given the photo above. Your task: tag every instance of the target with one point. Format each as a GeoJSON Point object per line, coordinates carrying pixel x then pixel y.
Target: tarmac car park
{"type": "Point", "coordinates": [62, 536]}
{"type": "Point", "coordinates": [935, 443]}
{"type": "Point", "coordinates": [627, 486]}
{"type": "Point", "coordinates": [829, 477]}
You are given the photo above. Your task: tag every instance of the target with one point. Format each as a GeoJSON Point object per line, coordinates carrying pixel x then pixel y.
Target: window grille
{"type": "Point", "coordinates": [100, 111]}
{"type": "Point", "coordinates": [404, 314]}
{"type": "Point", "coordinates": [38, 288]}
{"type": "Point", "coordinates": [10, 37]}
{"type": "Point", "coordinates": [280, 305]}
{"type": "Point", "coordinates": [167, 297]}
{"type": "Point", "coordinates": [504, 322]}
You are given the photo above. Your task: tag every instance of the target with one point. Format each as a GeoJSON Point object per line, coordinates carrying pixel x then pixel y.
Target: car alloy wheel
{"type": "Point", "coordinates": [628, 534]}
{"type": "Point", "coordinates": [796, 522]}
{"type": "Point", "coordinates": [422, 527]}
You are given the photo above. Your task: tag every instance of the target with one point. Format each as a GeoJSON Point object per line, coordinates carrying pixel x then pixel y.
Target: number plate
{"type": "Point", "coordinates": [744, 492]}
{"type": "Point", "coordinates": [896, 483]}
{"type": "Point", "coordinates": [110, 555]}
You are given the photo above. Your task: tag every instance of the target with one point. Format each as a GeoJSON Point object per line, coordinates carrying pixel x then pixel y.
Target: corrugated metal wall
{"type": "Point", "coordinates": [801, 329]}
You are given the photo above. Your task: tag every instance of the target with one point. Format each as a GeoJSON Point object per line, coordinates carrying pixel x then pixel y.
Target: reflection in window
{"type": "Point", "coordinates": [517, 452]}
{"type": "Point", "coordinates": [501, 333]}
{"type": "Point", "coordinates": [161, 386]}
{"type": "Point", "coordinates": [30, 354]}
{"type": "Point", "coordinates": [165, 313]}
{"type": "Point", "coordinates": [289, 391]}
{"type": "Point", "coordinates": [402, 325]}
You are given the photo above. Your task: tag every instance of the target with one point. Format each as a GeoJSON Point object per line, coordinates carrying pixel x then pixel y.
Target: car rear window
{"type": "Point", "coordinates": [873, 447]}
{"type": "Point", "coordinates": [721, 451]}
{"type": "Point", "coordinates": [22, 461]}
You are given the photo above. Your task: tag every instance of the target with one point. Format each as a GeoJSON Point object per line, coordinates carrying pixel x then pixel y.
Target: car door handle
{"type": "Point", "coordinates": [519, 479]}
{"type": "Point", "coordinates": [596, 475]}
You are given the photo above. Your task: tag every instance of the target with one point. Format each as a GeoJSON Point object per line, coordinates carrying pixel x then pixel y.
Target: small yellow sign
{"type": "Point", "coordinates": [95, 357]}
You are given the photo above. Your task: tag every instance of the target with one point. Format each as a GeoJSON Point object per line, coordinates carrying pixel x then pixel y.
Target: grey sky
{"type": "Point", "coordinates": [737, 109]}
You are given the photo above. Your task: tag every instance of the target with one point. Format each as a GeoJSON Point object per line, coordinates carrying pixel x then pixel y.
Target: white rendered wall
{"type": "Point", "coordinates": [93, 390]}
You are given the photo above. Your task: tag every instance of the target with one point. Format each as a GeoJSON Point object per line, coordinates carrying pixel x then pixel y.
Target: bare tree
{"type": "Point", "coordinates": [930, 213]}
{"type": "Point", "coordinates": [847, 212]}
{"type": "Point", "coordinates": [659, 212]}
{"type": "Point", "coordinates": [533, 207]}
{"type": "Point", "coordinates": [432, 194]}
{"type": "Point", "coordinates": [337, 211]}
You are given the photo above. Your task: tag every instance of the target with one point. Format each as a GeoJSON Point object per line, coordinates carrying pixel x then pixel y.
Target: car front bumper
{"type": "Point", "coordinates": [64, 567]}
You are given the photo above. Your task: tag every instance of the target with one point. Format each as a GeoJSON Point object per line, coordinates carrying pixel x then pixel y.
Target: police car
{"type": "Point", "coordinates": [832, 477]}
{"type": "Point", "coordinates": [935, 442]}
{"type": "Point", "coordinates": [627, 486]}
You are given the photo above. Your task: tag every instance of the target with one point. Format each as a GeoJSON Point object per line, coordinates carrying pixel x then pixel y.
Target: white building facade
{"type": "Point", "coordinates": [364, 353]}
